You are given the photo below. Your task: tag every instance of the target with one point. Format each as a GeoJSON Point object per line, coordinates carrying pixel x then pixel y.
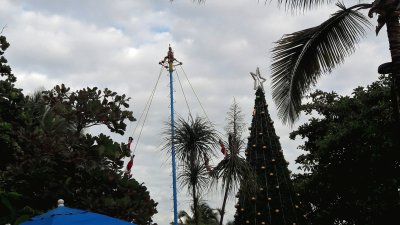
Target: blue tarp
{"type": "Point", "coordinates": [69, 216]}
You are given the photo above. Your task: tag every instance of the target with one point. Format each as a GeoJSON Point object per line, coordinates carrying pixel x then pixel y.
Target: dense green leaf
{"type": "Point", "coordinates": [45, 154]}
{"type": "Point", "coordinates": [351, 161]}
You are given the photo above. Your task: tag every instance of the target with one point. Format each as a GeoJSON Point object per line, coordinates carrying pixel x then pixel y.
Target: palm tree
{"type": "Point", "coordinates": [183, 217]}
{"type": "Point", "coordinates": [233, 170]}
{"type": "Point", "coordinates": [300, 58]}
{"type": "Point", "coordinates": [194, 141]}
{"type": "Point", "coordinates": [195, 177]}
{"type": "Point", "coordinates": [207, 215]}
{"type": "Point", "coordinates": [43, 117]}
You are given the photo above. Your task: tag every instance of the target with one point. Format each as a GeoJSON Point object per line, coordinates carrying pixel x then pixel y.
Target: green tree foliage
{"type": "Point", "coordinates": [207, 216]}
{"type": "Point", "coordinates": [89, 107]}
{"type": "Point", "coordinates": [48, 156]}
{"type": "Point", "coordinates": [13, 208]}
{"type": "Point", "coordinates": [11, 100]}
{"type": "Point", "coordinates": [351, 165]}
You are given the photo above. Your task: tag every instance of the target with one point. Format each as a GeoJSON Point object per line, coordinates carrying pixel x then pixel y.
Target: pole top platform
{"type": "Point", "coordinates": [170, 61]}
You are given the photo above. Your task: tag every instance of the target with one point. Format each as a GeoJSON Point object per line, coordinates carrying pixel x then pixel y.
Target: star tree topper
{"type": "Point", "coordinates": [258, 79]}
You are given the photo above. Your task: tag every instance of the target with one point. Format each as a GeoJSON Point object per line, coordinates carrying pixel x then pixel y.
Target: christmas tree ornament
{"type": "Point", "coordinates": [258, 80]}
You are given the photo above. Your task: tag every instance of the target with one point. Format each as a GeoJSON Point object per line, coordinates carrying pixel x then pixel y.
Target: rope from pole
{"type": "Point", "coordinates": [183, 92]}
{"type": "Point", "coordinates": [197, 97]}
{"type": "Point", "coordinates": [145, 111]}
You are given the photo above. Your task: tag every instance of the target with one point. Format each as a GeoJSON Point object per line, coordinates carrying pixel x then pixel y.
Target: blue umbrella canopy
{"type": "Point", "coordinates": [68, 216]}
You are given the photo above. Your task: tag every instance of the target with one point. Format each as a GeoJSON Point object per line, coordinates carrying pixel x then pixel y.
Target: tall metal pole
{"type": "Point", "coordinates": [173, 149]}
{"type": "Point", "coordinates": [168, 62]}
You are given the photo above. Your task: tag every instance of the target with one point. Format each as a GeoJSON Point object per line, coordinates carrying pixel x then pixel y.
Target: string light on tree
{"type": "Point", "coordinates": [274, 201]}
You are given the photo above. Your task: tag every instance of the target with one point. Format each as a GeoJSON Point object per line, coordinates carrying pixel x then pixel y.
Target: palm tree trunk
{"type": "Point", "coordinates": [195, 206]}
{"type": "Point", "coordinates": [393, 32]}
{"type": "Point", "coordinates": [224, 204]}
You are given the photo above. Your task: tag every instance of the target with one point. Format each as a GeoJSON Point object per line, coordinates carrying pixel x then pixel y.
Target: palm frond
{"type": "Point", "coordinates": [300, 58]}
{"type": "Point", "coordinates": [303, 4]}
{"type": "Point", "coordinates": [233, 171]}
{"type": "Point", "coordinates": [235, 120]}
{"type": "Point", "coordinates": [193, 140]}
{"type": "Point", "coordinates": [193, 175]}
{"type": "Point", "coordinates": [198, 1]}
{"type": "Point", "coordinates": [208, 215]}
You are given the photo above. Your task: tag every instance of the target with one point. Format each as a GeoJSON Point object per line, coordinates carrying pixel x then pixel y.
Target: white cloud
{"type": "Point", "coordinates": [118, 45]}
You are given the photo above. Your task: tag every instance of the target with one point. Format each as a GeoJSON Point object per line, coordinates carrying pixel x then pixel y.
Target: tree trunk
{"type": "Point", "coordinates": [195, 206]}
{"type": "Point", "coordinates": [393, 32]}
{"type": "Point", "coordinates": [224, 204]}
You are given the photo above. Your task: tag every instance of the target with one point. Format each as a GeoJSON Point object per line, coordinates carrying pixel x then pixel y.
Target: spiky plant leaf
{"type": "Point", "coordinates": [303, 4]}
{"type": "Point", "coordinates": [300, 58]}
{"type": "Point", "coordinates": [198, 1]}
{"type": "Point", "coordinates": [233, 171]}
{"type": "Point", "coordinates": [193, 139]}
{"type": "Point", "coordinates": [194, 175]}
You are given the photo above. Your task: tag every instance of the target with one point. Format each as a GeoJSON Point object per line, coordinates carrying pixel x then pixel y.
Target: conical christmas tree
{"type": "Point", "coordinates": [274, 202]}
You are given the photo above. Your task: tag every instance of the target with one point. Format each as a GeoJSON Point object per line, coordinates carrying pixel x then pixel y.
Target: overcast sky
{"type": "Point", "coordinates": [118, 44]}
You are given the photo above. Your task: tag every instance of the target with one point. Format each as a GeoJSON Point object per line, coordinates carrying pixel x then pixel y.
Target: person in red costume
{"type": "Point", "coordinates": [130, 163]}
{"type": "Point", "coordinates": [130, 139]}
{"type": "Point", "coordinates": [223, 149]}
